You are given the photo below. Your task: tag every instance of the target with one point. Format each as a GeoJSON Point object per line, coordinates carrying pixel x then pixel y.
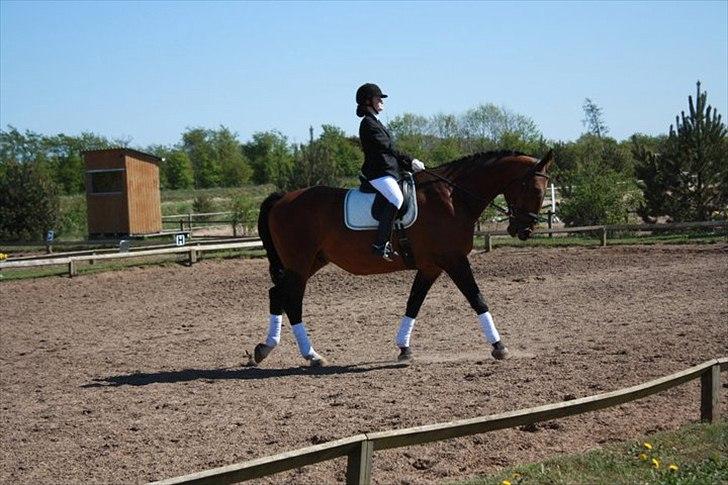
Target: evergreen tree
{"type": "Point", "coordinates": [686, 179]}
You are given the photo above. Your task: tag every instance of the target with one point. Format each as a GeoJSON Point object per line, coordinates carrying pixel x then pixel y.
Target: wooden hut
{"type": "Point", "coordinates": [122, 193]}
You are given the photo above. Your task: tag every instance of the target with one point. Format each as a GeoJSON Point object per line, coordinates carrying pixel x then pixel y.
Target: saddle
{"type": "Point", "coordinates": [363, 206]}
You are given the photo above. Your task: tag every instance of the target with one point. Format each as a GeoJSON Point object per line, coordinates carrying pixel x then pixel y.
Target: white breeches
{"type": "Point", "coordinates": [387, 186]}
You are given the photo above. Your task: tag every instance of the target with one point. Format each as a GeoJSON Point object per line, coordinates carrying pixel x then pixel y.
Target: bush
{"type": "Point", "coordinates": [243, 213]}
{"type": "Point", "coordinates": [29, 202]}
{"type": "Point", "coordinates": [203, 203]}
{"type": "Point", "coordinates": [73, 217]}
{"type": "Point", "coordinates": [599, 198]}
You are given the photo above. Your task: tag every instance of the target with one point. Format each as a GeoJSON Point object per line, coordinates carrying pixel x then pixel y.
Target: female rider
{"type": "Point", "coordinates": [382, 163]}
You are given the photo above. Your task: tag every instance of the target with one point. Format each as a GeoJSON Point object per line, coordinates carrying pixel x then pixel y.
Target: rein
{"type": "Point", "coordinates": [510, 212]}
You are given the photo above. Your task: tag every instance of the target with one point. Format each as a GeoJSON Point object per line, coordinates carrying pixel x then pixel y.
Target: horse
{"type": "Point", "coordinates": [304, 230]}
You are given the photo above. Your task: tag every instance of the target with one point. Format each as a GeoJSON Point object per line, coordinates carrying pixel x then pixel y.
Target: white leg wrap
{"type": "Point", "coordinates": [404, 332]}
{"type": "Point", "coordinates": [489, 330]}
{"type": "Point", "coordinates": [274, 330]}
{"type": "Point", "coordinates": [304, 344]}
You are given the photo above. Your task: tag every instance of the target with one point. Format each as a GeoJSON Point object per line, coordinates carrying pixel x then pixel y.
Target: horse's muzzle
{"type": "Point", "coordinates": [523, 232]}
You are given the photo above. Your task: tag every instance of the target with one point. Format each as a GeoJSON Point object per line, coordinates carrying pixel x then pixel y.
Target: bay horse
{"type": "Point", "coordinates": [304, 230]}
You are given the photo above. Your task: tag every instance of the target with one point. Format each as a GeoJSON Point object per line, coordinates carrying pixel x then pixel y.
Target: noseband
{"type": "Point", "coordinates": [515, 214]}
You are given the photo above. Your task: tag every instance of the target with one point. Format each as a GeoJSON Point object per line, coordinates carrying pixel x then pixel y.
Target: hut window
{"type": "Point", "coordinates": [107, 181]}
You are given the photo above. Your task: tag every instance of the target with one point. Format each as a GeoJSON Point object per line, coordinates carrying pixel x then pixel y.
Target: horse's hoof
{"type": "Point", "coordinates": [251, 360]}
{"type": "Point", "coordinates": [261, 352]}
{"type": "Point", "coordinates": [405, 353]}
{"type": "Point", "coordinates": [318, 361]}
{"type": "Point", "coordinates": [499, 352]}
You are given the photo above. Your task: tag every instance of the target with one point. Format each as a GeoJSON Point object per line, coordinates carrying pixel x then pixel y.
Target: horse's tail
{"type": "Point", "coordinates": [276, 267]}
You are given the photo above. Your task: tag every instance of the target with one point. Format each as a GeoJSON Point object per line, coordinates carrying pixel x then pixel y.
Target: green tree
{"type": "Point", "coordinates": [410, 132]}
{"type": "Point", "coordinates": [234, 167]}
{"type": "Point", "coordinates": [487, 126]}
{"type": "Point", "coordinates": [594, 119]}
{"type": "Point", "coordinates": [177, 170]}
{"type": "Point", "coordinates": [21, 147]}
{"type": "Point", "coordinates": [347, 157]}
{"type": "Point", "coordinates": [446, 144]}
{"type": "Point", "coordinates": [313, 165]}
{"type": "Point", "coordinates": [270, 157]}
{"type": "Point", "coordinates": [29, 202]}
{"type": "Point", "coordinates": [197, 143]}
{"type": "Point", "coordinates": [686, 179]}
{"type": "Point", "coordinates": [64, 154]}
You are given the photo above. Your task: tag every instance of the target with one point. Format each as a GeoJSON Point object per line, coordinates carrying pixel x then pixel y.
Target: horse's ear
{"type": "Point", "coordinates": [545, 164]}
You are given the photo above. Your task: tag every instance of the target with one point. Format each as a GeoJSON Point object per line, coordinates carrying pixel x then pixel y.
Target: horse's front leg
{"type": "Point", "coordinates": [422, 284]}
{"type": "Point", "coordinates": [458, 268]}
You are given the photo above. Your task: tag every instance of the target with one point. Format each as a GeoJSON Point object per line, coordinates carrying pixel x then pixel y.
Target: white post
{"type": "Point", "coordinates": [553, 198]}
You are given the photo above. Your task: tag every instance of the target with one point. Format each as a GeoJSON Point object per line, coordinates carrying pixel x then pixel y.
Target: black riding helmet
{"type": "Point", "coordinates": [368, 91]}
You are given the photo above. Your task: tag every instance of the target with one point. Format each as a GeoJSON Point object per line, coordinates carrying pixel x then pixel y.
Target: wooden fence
{"type": "Point", "coordinates": [72, 261]}
{"type": "Point", "coordinates": [194, 250]}
{"type": "Point", "coordinates": [188, 221]}
{"type": "Point", "coordinates": [606, 229]}
{"type": "Point", "coordinates": [359, 449]}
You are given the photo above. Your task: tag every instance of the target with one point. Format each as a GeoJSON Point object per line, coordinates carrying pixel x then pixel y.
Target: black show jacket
{"type": "Point", "coordinates": [380, 156]}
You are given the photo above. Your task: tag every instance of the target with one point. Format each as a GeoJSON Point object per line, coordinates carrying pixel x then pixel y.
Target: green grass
{"type": "Point", "coordinates": [699, 451]}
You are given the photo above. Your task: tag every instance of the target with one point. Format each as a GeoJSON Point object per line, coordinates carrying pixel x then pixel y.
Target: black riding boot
{"type": "Point", "coordinates": [382, 247]}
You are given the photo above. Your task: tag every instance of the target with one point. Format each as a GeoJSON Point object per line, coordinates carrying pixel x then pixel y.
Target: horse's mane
{"type": "Point", "coordinates": [477, 160]}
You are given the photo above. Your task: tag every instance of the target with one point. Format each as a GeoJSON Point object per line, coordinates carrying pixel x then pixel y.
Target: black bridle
{"type": "Point", "coordinates": [514, 214]}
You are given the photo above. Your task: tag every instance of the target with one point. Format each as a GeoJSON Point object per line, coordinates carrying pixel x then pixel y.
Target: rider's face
{"type": "Point", "coordinates": [378, 104]}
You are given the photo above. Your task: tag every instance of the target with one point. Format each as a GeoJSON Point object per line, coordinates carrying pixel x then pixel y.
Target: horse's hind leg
{"type": "Point", "coordinates": [276, 297]}
{"type": "Point", "coordinates": [420, 287]}
{"type": "Point", "coordinates": [462, 275]}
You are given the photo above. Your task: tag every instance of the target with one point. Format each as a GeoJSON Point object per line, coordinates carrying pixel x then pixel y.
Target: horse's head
{"type": "Point", "coordinates": [524, 196]}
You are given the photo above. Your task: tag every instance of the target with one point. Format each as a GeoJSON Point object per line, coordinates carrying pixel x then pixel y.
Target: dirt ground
{"type": "Point", "coordinates": [136, 375]}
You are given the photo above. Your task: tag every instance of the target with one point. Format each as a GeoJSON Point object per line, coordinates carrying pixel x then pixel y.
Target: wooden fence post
{"type": "Point", "coordinates": [551, 222]}
{"type": "Point", "coordinates": [709, 394]}
{"type": "Point", "coordinates": [193, 256]}
{"type": "Point", "coordinates": [72, 268]}
{"type": "Point", "coordinates": [603, 234]}
{"type": "Point", "coordinates": [487, 244]}
{"type": "Point", "coordinates": [189, 222]}
{"type": "Point", "coordinates": [359, 464]}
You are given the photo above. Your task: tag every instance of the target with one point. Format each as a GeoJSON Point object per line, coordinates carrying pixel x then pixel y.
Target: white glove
{"type": "Point", "coordinates": [417, 166]}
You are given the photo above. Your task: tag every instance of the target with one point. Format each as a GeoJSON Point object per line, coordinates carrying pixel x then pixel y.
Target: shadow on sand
{"type": "Point", "coordinates": [240, 373]}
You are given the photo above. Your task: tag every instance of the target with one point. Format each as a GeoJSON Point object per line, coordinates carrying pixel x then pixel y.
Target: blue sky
{"type": "Point", "coordinates": [149, 70]}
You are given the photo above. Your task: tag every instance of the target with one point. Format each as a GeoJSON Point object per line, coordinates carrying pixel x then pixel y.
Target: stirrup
{"type": "Point", "coordinates": [385, 250]}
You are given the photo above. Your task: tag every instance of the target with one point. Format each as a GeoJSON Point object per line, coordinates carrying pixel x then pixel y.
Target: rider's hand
{"type": "Point", "coordinates": [417, 166]}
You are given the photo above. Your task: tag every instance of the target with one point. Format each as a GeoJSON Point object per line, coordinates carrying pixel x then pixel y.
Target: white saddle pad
{"type": "Point", "coordinates": [358, 212]}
